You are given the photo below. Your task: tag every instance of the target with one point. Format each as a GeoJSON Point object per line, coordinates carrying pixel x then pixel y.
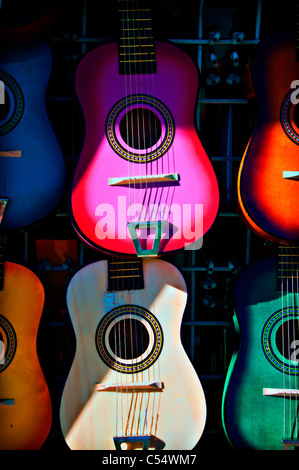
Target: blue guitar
{"type": "Point", "coordinates": [32, 170]}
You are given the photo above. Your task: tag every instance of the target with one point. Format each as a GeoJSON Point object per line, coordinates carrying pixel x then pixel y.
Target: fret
{"type": "Point", "coordinates": [288, 269]}
{"type": "Point", "coordinates": [136, 35]}
{"type": "Point", "coordinates": [125, 275]}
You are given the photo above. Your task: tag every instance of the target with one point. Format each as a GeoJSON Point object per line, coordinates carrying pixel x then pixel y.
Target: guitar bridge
{"type": "Point", "coordinates": [289, 443]}
{"type": "Point", "coordinates": [144, 179]}
{"type": "Point", "coordinates": [138, 443]}
{"type": "Point", "coordinates": [131, 387]}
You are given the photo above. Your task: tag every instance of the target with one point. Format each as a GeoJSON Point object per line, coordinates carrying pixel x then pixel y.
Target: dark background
{"type": "Point", "coordinates": [225, 113]}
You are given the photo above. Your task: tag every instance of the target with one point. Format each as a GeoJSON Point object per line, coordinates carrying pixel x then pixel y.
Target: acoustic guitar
{"type": "Point", "coordinates": [261, 393]}
{"type": "Point", "coordinates": [131, 385]}
{"type": "Point", "coordinates": [268, 190]}
{"type": "Point", "coordinates": [143, 183]}
{"type": "Point", "coordinates": [32, 170]}
{"type": "Point", "coordinates": [25, 403]}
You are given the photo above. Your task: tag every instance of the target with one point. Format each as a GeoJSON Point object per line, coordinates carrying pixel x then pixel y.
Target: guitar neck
{"type": "Point", "coordinates": [125, 274]}
{"type": "Point", "coordinates": [136, 42]}
{"type": "Point", "coordinates": [288, 269]}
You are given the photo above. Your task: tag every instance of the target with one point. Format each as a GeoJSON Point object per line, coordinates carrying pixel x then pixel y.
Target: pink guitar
{"type": "Point", "coordinates": [143, 183]}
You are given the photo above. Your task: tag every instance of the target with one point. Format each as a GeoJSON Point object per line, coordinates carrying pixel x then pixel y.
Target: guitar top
{"type": "Point", "coordinates": [143, 183]}
{"type": "Point", "coordinates": [130, 368]}
{"type": "Point", "coordinates": [32, 171]}
{"type": "Point", "coordinates": [268, 179]}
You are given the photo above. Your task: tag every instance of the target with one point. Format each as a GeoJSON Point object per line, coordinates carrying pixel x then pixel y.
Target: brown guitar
{"type": "Point", "coordinates": [268, 182]}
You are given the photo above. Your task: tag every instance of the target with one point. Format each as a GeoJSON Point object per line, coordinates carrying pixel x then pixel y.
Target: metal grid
{"type": "Point", "coordinates": [203, 323]}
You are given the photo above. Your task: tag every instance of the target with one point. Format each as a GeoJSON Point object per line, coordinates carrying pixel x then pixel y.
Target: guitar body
{"type": "Point", "coordinates": [164, 100]}
{"type": "Point", "coordinates": [268, 197]}
{"type": "Point", "coordinates": [25, 404]}
{"type": "Point", "coordinates": [90, 419]}
{"type": "Point", "coordinates": [252, 419]}
{"type": "Point", "coordinates": [32, 171]}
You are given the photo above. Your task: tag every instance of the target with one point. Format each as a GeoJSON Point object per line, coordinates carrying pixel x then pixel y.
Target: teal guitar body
{"type": "Point", "coordinates": [260, 400]}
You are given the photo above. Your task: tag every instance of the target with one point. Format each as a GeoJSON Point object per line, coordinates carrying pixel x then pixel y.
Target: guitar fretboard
{"type": "Point", "coordinates": [136, 42]}
{"type": "Point", "coordinates": [125, 275]}
{"type": "Point", "coordinates": [288, 269]}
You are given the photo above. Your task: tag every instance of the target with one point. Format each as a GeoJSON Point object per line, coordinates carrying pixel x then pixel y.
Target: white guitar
{"type": "Point", "coordinates": [131, 385]}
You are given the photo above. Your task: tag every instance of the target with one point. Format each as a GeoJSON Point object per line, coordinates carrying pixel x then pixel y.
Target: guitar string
{"type": "Point", "coordinates": [154, 168]}
{"type": "Point", "coordinates": [142, 129]}
{"type": "Point", "coordinates": [135, 143]}
{"type": "Point", "coordinates": [293, 401]}
{"type": "Point", "coordinates": [129, 133]}
{"type": "Point", "coordinates": [296, 338]}
{"type": "Point", "coordinates": [280, 252]}
{"type": "Point", "coordinates": [142, 141]}
{"type": "Point", "coordinates": [119, 280]}
{"type": "Point", "coordinates": [132, 405]}
{"type": "Point", "coordinates": [124, 399]}
{"type": "Point", "coordinates": [294, 342]}
{"type": "Point", "coordinates": [295, 325]}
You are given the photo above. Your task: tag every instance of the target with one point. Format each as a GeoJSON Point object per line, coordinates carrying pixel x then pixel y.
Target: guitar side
{"type": "Point", "coordinates": [253, 420]}
{"type": "Point", "coordinates": [32, 170]}
{"type": "Point", "coordinates": [268, 191]}
{"type": "Point", "coordinates": [25, 403]}
{"type": "Point", "coordinates": [176, 415]}
{"type": "Point", "coordinates": [100, 211]}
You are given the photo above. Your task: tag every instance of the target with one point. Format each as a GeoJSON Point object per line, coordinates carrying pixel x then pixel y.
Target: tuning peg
{"type": "Point", "coordinates": [208, 301]}
{"type": "Point", "coordinates": [68, 265]}
{"type": "Point", "coordinates": [233, 79]}
{"type": "Point", "coordinates": [44, 265]}
{"type": "Point", "coordinates": [214, 36]}
{"type": "Point", "coordinates": [235, 58]}
{"type": "Point", "coordinates": [212, 79]}
{"type": "Point", "coordinates": [237, 37]}
{"type": "Point", "coordinates": [209, 283]}
{"type": "Point", "coordinates": [233, 268]}
{"type": "Point", "coordinates": [213, 58]}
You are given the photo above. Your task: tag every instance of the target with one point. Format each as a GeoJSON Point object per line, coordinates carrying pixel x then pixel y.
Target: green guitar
{"type": "Point", "coordinates": [261, 394]}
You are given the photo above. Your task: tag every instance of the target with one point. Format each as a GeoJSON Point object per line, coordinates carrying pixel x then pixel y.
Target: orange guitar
{"type": "Point", "coordinates": [131, 385]}
{"type": "Point", "coordinates": [25, 405]}
{"type": "Point", "coordinates": [268, 182]}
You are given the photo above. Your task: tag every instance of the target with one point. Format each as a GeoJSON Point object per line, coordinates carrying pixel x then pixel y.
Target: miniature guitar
{"type": "Point", "coordinates": [131, 385]}
{"type": "Point", "coordinates": [261, 394]}
{"type": "Point", "coordinates": [143, 182]}
{"type": "Point", "coordinates": [25, 403]}
{"type": "Point", "coordinates": [268, 190]}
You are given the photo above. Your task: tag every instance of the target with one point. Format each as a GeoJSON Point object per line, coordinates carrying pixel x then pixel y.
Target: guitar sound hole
{"type": "Point", "coordinates": [287, 339]}
{"type": "Point", "coordinates": [140, 128]}
{"type": "Point", "coordinates": [128, 339]}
